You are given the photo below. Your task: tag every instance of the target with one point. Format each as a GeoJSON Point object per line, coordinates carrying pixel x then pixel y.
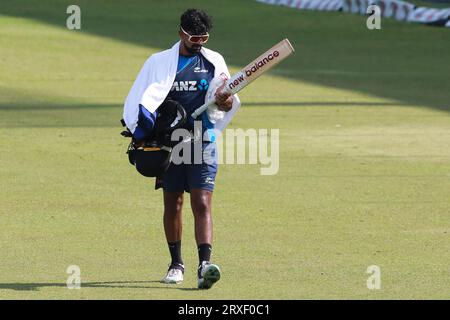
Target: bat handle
{"type": "Point", "coordinates": [202, 108]}
{"type": "Point", "coordinates": [205, 106]}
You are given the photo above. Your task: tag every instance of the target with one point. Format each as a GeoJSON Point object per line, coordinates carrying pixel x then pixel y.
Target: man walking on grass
{"type": "Point", "coordinates": [184, 73]}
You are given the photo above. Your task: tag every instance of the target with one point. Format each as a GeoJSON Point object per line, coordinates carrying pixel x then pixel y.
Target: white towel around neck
{"type": "Point", "coordinates": [155, 80]}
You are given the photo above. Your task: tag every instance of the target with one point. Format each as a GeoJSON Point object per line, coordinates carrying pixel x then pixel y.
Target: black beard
{"type": "Point", "coordinates": [192, 50]}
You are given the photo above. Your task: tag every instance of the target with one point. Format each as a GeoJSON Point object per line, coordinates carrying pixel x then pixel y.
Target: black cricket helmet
{"type": "Point", "coordinates": [171, 116]}
{"type": "Point", "coordinates": [152, 157]}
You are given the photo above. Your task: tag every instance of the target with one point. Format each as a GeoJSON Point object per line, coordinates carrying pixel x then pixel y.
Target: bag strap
{"type": "Point", "coordinates": [127, 133]}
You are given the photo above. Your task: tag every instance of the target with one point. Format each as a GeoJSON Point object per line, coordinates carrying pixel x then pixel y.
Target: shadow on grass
{"type": "Point", "coordinates": [108, 115]}
{"type": "Point", "coordinates": [107, 284]}
{"type": "Point", "coordinates": [81, 114]}
{"type": "Point", "coordinates": [61, 106]}
{"type": "Point", "coordinates": [91, 106]}
{"type": "Point", "coordinates": [405, 62]}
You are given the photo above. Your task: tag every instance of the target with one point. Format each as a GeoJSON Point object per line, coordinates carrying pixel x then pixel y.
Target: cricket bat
{"type": "Point", "coordinates": [253, 70]}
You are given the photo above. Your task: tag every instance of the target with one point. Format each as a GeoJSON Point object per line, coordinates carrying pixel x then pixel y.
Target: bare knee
{"type": "Point", "coordinates": [173, 203]}
{"type": "Point", "coordinates": [201, 203]}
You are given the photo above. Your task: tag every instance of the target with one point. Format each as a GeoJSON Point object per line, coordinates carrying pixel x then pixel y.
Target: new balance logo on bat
{"type": "Point", "coordinates": [236, 81]}
{"type": "Point", "coordinates": [254, 68]}
{"type": "Point", "coordinates": [261, 63]}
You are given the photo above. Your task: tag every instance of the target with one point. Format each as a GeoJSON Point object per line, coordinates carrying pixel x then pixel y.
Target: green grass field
{"type": "Point", "coordinates": [364, 173]}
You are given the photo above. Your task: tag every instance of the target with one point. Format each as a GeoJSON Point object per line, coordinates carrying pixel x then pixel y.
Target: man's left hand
{"type": "Point", "coordinates": [224, 100]}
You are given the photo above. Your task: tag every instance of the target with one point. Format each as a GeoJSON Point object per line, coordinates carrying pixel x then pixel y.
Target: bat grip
{"type": "Point", "coordinates": [205, 106]}
{"type": "Point", "coordinates": [202, 108]}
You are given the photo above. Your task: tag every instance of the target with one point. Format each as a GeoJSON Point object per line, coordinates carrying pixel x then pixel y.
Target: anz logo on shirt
{"type": "Point", "coordinates": [202, 85]}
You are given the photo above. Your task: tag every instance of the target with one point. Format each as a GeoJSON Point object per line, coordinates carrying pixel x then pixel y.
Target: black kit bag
{"type": "Point", "coordinates": [152, 156]}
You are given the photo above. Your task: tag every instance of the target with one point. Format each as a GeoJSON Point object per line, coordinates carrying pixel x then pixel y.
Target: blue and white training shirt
{"type": "Point", "coordinates": [194, 74]}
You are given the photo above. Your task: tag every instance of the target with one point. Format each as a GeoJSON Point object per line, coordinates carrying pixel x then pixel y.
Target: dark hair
{"type": "Point", "coordinates": [195, 21]}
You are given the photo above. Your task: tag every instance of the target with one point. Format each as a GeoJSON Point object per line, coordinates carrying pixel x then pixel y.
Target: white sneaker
{"type": "Point", "coordinates": [208, 275]}
{"type": "Point", "coordinates": [174, 275]}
